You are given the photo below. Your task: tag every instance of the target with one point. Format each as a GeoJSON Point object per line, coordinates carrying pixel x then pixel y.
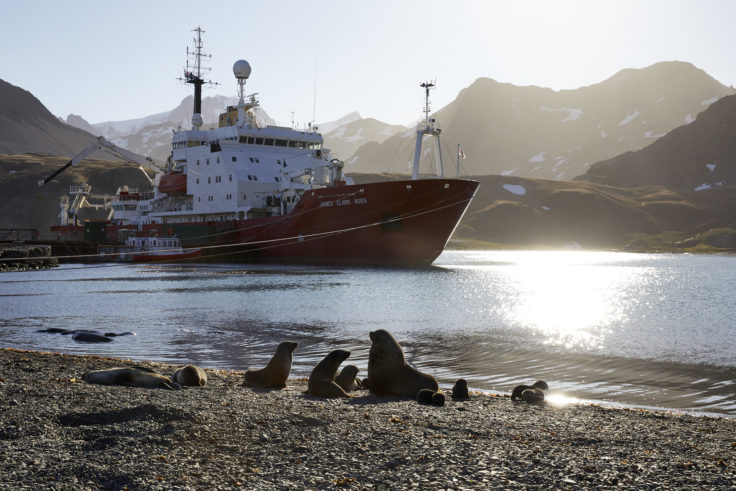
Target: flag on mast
{"type": "Point", "coordinates": [461, 153]}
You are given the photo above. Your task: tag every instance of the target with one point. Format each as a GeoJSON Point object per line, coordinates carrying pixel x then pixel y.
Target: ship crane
{"type": "Point", "coordinates": [101, 144]}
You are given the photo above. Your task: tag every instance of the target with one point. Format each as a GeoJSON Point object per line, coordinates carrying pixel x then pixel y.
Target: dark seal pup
{"type": "Point", "coordinates": [347, 378]}
{"type": "Point", "coordinates": [460, 390]}
{"type": "Point", "coordinates": [388, 372]}
{"type": "Point", "coordinates": [190, 375]}
{"type": "Point", "coordinates": [274, 375]}
{"type": "Point", "coordinates": [516, 395]}
{"type": "Point", "coordinates": [130, 377]}
{"type": "Point", "coordinates": [322, 379]}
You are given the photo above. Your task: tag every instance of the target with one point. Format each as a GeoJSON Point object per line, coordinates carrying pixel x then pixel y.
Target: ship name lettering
{"type": "Point", "coordinates": [326, 203]}
{"type": "Point", "coordinates": [343, 202]}
{"type": "Point", "coordinates": [360, 201]}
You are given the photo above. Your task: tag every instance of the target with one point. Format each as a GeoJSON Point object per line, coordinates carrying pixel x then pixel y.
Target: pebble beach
{"type": "Point", "coordinates": [59, 432]}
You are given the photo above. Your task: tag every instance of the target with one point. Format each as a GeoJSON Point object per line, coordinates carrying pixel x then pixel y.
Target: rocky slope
{"type": "Point", "coordinates": [27, 126]}
{"type": "Point", "coordinates": [700, 156]}
{"type": "Point", "coordinates": [538, 132]}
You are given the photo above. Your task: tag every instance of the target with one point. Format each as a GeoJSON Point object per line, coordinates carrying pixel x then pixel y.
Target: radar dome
{"type": "Point", "coordinates": [241, 69]}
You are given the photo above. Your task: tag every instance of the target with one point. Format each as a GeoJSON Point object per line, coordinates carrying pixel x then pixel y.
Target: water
{"type": "Point", "coordinates": [637, 329]}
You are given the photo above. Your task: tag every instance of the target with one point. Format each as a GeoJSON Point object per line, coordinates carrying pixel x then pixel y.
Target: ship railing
{"type": "Point", "coordinates": [134, 195]}
{"type": "Point", "coordinates": [432, 125]}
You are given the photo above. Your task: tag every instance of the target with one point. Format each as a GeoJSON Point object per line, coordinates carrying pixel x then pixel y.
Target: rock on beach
{"type": "Point", "coordinates": [60, 432]}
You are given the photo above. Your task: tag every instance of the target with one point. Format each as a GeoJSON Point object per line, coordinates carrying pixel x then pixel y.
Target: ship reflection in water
{"type": "Point", "coordinates": [622, 328]}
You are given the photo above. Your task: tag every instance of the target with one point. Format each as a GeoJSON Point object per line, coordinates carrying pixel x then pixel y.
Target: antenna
{"type": "Point", "coordinates": [193, 75]}
{"type": "Point", "coordinates": [427, 86]}
{"type": "Point", "coordinates": [314, 98]}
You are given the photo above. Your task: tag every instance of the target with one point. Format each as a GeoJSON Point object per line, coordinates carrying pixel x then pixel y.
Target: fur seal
{"type": "Point", "coordinates": [388, 372]}
{"type": "Point", "coordinates": [347, 378]}
{"type": "Point", "coordinates": [460, 390]}
{"type": "Point", "coordinates": [424, 396]}
{"type": "Point", "coordinates": [275, 373]}
{"type": "Point", "coordinates": [519, 389]}
{"type": "Point", "coordinates": [190, 375]}
{"type": "Point", "coordinates": [90, 337]}
{"type": "Point", "coordinates": [322, 379]}
{"type": "Point", "coordinates": [438, 399]}
{"type": "Point", "coordinates": [533, 395]}
{"type": "Point", "coordinates": [130, 377]}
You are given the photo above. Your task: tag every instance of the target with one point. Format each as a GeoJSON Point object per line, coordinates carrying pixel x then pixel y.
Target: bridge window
{"type": "Point", "coordinates": [235, 159]}
{"type": "Point", "coordinates": [280, 143]}
{"type": "Point", "coordinates": [268, 141]}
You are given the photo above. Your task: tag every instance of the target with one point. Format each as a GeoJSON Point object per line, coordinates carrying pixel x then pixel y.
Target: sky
{"type": "Point", "coordinates": [114, 60]}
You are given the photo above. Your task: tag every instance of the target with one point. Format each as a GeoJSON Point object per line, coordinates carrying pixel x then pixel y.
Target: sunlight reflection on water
{"type": "Point", "coordinates": [646, 329]}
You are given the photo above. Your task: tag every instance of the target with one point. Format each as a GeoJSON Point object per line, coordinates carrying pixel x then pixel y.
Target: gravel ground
{"type": "Point", "coordinates": [58, 432]}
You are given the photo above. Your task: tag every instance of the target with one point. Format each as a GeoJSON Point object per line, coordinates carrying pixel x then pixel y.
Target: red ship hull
{"type": "Point", "coordinates": [393, 223]}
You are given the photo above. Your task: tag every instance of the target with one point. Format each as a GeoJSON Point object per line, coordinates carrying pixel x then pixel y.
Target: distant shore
{"type": "Point", "coordinates": [60, 432]}
{"type": "Point", "coordinates": [22, 257]}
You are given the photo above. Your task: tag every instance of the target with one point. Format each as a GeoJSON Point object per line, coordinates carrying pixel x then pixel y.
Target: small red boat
{"type": "Point", "coordinates": [149, 250]}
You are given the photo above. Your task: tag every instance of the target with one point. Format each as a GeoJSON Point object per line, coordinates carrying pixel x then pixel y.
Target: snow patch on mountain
{"type": "Point", "coordinates": [515, 189]}
{"type": "Point", "coordinates": [355, 137]}
{"type": "Point", "coordinates": [325, 128]}
{"type": "Point", "coordinates": [572, 114]}
{"type": "Point", "coordinates": [537, 158]}
{"type": "Point", "coordinates": [630, 116]}
{"type": "Point", "coordinates": [710, 101]}
{"type": "Point", "coordinates": [711, 167]}
{"type": "Point", "coordinates": [689, 119]}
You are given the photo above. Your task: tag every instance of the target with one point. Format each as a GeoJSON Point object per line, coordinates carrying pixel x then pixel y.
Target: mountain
{"type": "Point", "coordinates": [699, 156]}
{"type": "Point", "coordinates": [81, 123]}
{"type": "Point", "coordinates": [345, 139]}
{"type": "Point", "coordinates": [325, 128]}
{"type": "Point", "coordinates": [538, 132]}
{"type": "Point", "coordinates": [27, 126]}
{"type": "Point", "coordinates": [151, 135]}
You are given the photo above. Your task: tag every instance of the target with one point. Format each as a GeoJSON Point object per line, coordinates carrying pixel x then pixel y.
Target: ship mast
{"type": "Point", "coordinates": [427, 127]}
{"type": "Point", "coordinates": [193, 75]}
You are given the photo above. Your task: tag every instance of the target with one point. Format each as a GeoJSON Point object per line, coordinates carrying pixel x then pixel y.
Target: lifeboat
{"type": "Point", "coordinates": [173, 184]}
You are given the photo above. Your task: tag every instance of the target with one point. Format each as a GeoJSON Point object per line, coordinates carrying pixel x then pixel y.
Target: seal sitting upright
{"type": "Point", "coordinates": [347, 378]}
{"type": "Point", "coordinates": [388, 372]}
{"type": "Point", "coordinates": [274, 375]}
{"type": "Point", "coordinates": [322, 380]}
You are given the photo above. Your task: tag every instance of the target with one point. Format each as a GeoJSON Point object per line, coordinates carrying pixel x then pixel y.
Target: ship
{"type": "Point", "coordinates": [245, 191]}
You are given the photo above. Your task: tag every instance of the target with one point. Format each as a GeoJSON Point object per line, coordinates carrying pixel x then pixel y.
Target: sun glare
{"type": "Point", "coordinates": [569, 298]}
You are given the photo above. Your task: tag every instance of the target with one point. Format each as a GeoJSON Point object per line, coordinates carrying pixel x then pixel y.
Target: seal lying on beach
{"type": "Point", "coordinates": [274, 375]}
{"type": "Point", "coordinates": [190, 375]}
{"type": "Point", "coordinates": [347, 379]}
{"type": "Point", "coordinates": [322, 379]}
{"type": "Point", "coordinates": [534, 395]}
{"type": "Point", "coordinates": [388, 372]}
{"type": "Point", "coordinates": [130, 377]}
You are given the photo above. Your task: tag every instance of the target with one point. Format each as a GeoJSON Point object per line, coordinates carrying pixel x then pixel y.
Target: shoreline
{"type": "Point", "coordinates": [61, 432]}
